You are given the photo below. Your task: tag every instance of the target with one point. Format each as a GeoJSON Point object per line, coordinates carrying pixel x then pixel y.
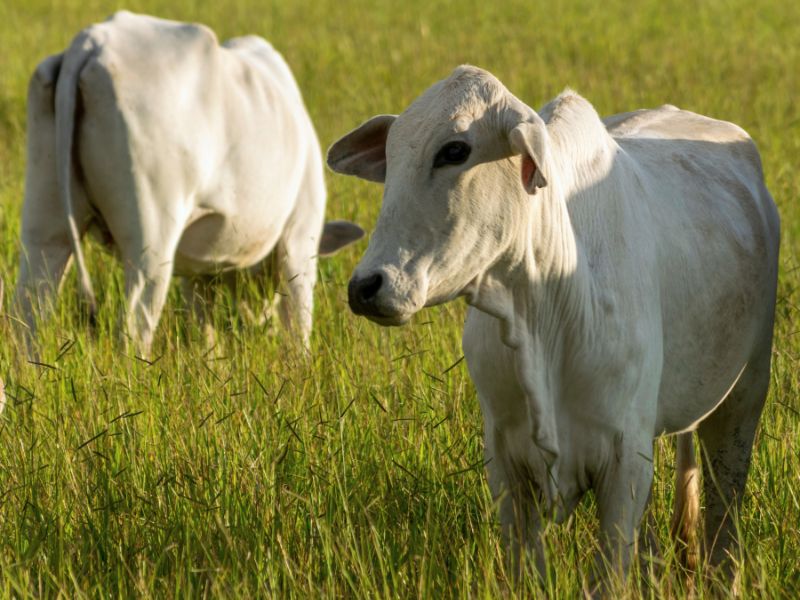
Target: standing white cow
{"type": "Point", "coordinates": [621, 278]}
{"type": "Point", "coordinates": [190, 157]}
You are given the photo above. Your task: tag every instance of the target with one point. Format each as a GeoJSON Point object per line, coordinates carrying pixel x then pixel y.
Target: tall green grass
{"type": "Point", "coordinates": [251, 469]}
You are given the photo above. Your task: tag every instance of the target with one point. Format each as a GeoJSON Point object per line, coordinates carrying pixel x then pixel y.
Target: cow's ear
{"type": "Point", "coordinates": [528, 137]}
{"type": "Point", "coordinates": [362, 152]}
{"type": "Point", "coordinates": [338, 234]}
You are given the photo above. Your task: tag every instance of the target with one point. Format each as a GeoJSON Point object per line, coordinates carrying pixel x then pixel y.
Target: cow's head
{"type": "Point", "coordinates": [456, 191]}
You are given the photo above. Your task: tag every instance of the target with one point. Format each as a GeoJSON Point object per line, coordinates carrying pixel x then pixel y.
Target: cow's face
{"type": "Point", "coordinates": [452, 198]}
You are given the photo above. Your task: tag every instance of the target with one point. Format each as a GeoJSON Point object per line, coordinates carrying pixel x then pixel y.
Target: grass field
{"type": "Point", "coordinates": [252, 471]}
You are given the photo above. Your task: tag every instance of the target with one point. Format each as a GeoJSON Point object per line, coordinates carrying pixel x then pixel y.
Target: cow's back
{"type": "Point", "coordinates": [217, 132]}
{"type": "Point", "coordinates": [150, 97]}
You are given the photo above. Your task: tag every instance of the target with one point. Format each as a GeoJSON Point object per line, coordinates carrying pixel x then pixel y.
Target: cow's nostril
{"type": "Point", "coordinates": [362, 294]}
{"type": "Point", "coordinates": [369, 286]}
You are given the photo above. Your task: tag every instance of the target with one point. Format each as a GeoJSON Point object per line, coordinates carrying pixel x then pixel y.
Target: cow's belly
{"type": "Point", "coordinates": [213, 242]}
{"type": "Point", "coordinates": [702, 363]}
{"type": "Point", "coordinates": [708, 342]}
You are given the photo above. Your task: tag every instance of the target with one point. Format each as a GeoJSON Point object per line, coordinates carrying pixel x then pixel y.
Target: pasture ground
{"type": "Point", "coordinates": [249, 470]}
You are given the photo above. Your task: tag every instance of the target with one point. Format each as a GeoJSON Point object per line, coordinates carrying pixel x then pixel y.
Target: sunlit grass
{"type": "Point", "coordinates": [358, 472]}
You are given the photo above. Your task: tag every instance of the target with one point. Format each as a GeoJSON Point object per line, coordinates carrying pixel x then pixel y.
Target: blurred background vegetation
{"type": "Point", "coordinates": [250, 470]}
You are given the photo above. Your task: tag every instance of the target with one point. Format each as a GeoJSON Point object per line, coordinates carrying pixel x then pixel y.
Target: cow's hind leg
{"type": "Point", "coordinates": [46, 243]}
{"type": "Point", "coordinates": [147, 281]}
{"type": "Point", "coordinates": [41, 270]}
{"type": "Point", "coordinates": [147, 233]}
{"type": "Point", "coordinates": [726, 438]}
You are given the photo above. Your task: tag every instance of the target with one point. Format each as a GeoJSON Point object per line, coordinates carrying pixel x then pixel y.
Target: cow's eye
{"type": "Point", "coordinates": [452, 153]}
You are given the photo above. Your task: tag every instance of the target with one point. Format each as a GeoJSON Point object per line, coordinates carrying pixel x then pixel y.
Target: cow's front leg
{"type": "Point", "coordinates": [519, 508]}
{"type": "Point", "coordinates": [198, 292]}
{"type": "Point", "coordinates": [297, 257]}
{"type": "Point", "coordinates": [521, 525]}
{"type": "Point", "coordinates": [622, 490]}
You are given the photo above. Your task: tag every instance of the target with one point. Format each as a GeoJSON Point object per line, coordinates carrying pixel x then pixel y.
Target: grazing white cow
{"type": "Point", "coordinates": [189, 157]}
{"type": "Point", "coordinates": [621, 277]}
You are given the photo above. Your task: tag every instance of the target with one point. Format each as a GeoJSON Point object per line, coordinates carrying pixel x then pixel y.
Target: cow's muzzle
{"type": "Point", "coordinates": [376, 297]}
{"type": "Point", "coordinates": [362, 294]}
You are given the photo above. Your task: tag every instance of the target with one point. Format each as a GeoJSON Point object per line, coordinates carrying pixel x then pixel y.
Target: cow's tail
{"type": "Point", "coordinates": [66, 96]}
{"type": "Point", "coordinates": [685, 519]}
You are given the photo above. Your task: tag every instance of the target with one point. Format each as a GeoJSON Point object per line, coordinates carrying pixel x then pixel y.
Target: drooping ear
{"type": "Point", "coordinates": [362, 152]}
{"type": "Point", "coordinates": [338, 234]}
{"type": "Point", "coordinates": [528, 137]}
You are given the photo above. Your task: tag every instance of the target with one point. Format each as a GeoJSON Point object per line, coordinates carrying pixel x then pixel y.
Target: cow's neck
{"type": "Point", "coordinates": [541, 283]}
{"type": "Point", "coordinates": [541, 289]}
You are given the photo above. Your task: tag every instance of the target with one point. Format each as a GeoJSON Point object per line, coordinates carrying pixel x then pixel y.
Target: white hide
{"type": "Point", "coordinates": [189, 157]}
{"type": "Point", "coordinates": [621, 277]}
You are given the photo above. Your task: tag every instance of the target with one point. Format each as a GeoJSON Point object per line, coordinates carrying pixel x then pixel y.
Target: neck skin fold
{"type": "Point", "coordinates": [541, 288]}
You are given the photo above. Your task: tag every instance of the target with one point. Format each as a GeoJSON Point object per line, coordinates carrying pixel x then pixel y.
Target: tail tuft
{"type": "Point", "coordinates": [686, 518]}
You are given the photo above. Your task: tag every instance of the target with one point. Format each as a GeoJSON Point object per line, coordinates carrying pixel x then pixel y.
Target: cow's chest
{"type": "Point", "coordinates": [513, 422]}
{"type": "Point", "coordinates": [492, 366]}
{"type": "Point", "coordinates": [508, 429]}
